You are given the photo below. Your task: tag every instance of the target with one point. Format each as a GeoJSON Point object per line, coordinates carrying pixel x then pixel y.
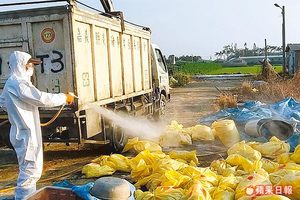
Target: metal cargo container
{"type": "Point", "coordinates": [102, 59]}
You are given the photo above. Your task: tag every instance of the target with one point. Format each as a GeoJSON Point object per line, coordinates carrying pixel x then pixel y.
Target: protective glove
{"type": "Point", "coordinates": [70, 99]}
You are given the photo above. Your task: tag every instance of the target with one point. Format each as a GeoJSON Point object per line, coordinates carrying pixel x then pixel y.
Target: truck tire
{"type": "Point", "coordinates": [118, 138]}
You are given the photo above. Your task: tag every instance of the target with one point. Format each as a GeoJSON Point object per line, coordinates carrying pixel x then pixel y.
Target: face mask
{"type": "Point", "coordinates": [30, 71]}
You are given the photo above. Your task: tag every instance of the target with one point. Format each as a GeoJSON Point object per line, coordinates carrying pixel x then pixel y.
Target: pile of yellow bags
{"type": "Point", "coordinates": [200, 133]}
{"type": "Point", "coordinates": [115, 161]}
{"type": "Point", "coordinates": [271, 149]}
{"type": "Point", "coordinates": [176, 135]}
{"type": "Point", "coordinates": [176, 175]}
{"type": "Point", "coordinates": [188, 157]}
{"type": "Point", "coordinates": [139, 146]}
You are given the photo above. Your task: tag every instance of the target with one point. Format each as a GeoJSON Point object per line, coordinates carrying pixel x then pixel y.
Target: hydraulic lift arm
{"type": "Point", "coordinates": [109, 8]}
{"type": "Point", "coordinates": [107, 5]}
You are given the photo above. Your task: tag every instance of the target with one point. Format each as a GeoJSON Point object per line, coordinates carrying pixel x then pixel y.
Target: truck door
{"type": "Point", "coordinates": [162, 71]}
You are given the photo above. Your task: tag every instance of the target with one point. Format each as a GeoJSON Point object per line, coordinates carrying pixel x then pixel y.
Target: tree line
{"type": "Point", "coordinates": [232, 51]}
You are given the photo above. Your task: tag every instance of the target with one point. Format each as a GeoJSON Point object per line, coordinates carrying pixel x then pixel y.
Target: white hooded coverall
{"type": "Point", "coordinates": [21, 100]}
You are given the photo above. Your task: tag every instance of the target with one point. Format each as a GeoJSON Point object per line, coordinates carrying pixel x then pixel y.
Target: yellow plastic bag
{"type": "Point", "coordinates": [192, 172]}
{"type": "Point", "coordinates": [201, 174]}
{"type": "Point", "coordinates": [296, 155]}
{"type": "Point", "coordinates": [151, 181]}
{"type": "Point", "coordinates": [140, 170]}
{"type": "Point", "coordinates": [94, 170]}
{"type": "Point", "coordinates": [154, 182]}
{"type": "Point", "coordinates": [209, 176]}
{"type": "Point", "coordinates": [193, 164]}
{"type": "Point", "coordinates": [197, 192]}
{"type": "Point", "coordinates": [139, 146]}
{"type": "Point", "coordinates": [174, 139]}
{"type": "Point", "coordinates": [265, 197]}
{"type": "Point", "coordinates": [142, 165]}
{"type": "Point", "coordinates": [140, 195]}
{"type": "Point", "coordinates": [244, 163]}
{"type": "Point", "coordinates": [101, 160]}
{"type": "Point", "coordinates": [115, 161]}
{"type": "Point", "coordinates": [277, 176]}
{"type": "Point", "coordinates": [200, 132]}
{"type": "Point", "coordinates": [283, 158]}
{"type": "Point", "coordinates": [174, 179]}
{"type": "Point", "coordinates": [222, 168]}
{"type": "Point", "coordinates": [269, 165]}
{"type": "Point", "coordinates": [222, 194]}
{"type": "Point", "coordinates": [229, 182]}
{"type": "Point", "coordinates": [271, 149]}
{"type": "Point", "coordinates": [168, 193]}
{"type": "Point", "coordinates": [244, 150]}
{"type": "Point", "coordinates": [208, 179]}
{"type": "Point", "coordinates": [174, 136]}
{"type": "Point", "coordinates": [149, 157]}
{"type": "Point", "coordinates": [226, 131]}
{"type": "Point", "coordinates": [188, 156]}
{"type": "Point", "coordinates": [175, 126]}
{"type": "Point", "coordinates": [292, 181]}
{"type": "Point", "coordinates": [290, 166]}
{"type": "Point", "coordinates": [121, 163]}
{"type": "Point", "coordinates": [166, 164]}
{"type": "Point", "coordinates": [250, 181]}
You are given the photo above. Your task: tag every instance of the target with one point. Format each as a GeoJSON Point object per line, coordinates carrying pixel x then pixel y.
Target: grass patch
{"type": "Point", "coordinates": [247, 87]}
{"type": "Point", "coordinates": [226, 100]}
{"type": "Point", "coordinates": [269, 90]}
{"type": "Point", "coordinates": [180, 79]}
{"type": "Point", "coordinates": [216, 68]}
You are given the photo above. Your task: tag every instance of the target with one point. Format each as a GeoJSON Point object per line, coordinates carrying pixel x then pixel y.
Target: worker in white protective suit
{"type": "Point", "coordinates": [21, 100]}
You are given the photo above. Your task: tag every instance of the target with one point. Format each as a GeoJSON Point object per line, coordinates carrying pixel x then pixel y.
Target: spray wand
{"type": "Point", "coordinates": [58, 112]}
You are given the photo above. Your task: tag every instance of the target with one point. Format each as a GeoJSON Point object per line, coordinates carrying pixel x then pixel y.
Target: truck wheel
{"type": "Point", "coordinates": [118, 138]}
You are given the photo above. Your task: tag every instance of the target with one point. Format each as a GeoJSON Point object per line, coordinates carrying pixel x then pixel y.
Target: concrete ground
{"type": "Point", "coordinates": [196, 99]}
{"type": "Point", "coordinates": [61, 162]}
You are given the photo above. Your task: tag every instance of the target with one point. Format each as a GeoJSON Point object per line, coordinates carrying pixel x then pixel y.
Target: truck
{"type": "Point", "coordinates": [103, 59]}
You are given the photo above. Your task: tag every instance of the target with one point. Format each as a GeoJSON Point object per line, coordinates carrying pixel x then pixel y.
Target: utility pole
{"type": "Point", "coordinates": [266, 50]}
{"type": "Point", "coordinates": [283, 37]}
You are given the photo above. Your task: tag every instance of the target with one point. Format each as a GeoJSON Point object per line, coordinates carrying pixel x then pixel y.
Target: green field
{"type": "Point", "coordinates": [216, 68]}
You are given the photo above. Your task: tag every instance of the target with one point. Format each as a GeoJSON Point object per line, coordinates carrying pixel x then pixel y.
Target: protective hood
{"type": "Point", "coordinates": [17, 62]}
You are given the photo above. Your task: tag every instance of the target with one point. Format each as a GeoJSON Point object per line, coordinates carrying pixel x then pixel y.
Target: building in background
{"type": "Point", "coordinates": [293, 54]}
{"type": "Point", "coordinates": [253, 60]}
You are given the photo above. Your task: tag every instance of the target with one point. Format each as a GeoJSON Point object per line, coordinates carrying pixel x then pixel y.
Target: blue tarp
{"type": "Point", "coordinates": [287, 110]}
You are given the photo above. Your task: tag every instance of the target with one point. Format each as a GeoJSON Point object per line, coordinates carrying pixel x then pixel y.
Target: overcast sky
{"type": "Point", "coordinates": [203, 27]}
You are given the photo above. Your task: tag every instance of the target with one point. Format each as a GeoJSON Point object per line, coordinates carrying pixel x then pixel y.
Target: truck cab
{"type": "Point", "coordinates": [160, 72]}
